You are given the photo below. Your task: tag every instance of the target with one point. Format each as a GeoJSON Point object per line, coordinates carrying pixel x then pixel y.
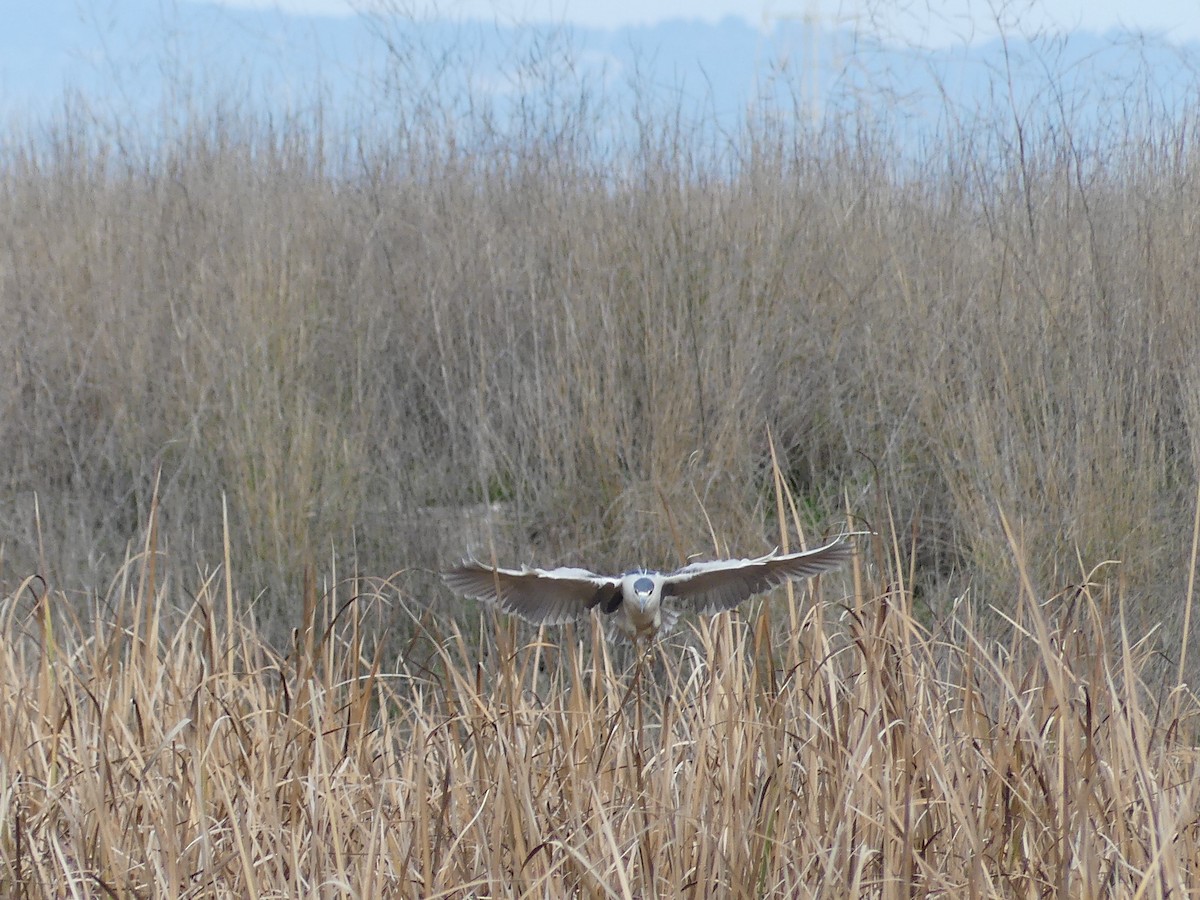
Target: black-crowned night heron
{"type": "Point", "coordinates": [645, 603]}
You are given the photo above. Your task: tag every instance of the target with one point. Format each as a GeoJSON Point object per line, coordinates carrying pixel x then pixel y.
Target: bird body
{"type": "Point", "coordinates": [644, 603]}
{"type": "Point", "coordinates": [641, 615]}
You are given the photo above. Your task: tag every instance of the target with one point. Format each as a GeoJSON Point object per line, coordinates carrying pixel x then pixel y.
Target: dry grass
{"type": "Point", "coordinates": [266, 344]}
{"type": "Point", "coordinates": [829, 746]}
{"type": "Point", "coordinates": [341, 334]}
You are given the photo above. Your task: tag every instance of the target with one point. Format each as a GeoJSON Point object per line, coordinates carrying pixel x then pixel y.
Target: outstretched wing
{"type": "Point", "coordinates": [540, 596]}
{"type": "Point", "coordinates": [712, 587]}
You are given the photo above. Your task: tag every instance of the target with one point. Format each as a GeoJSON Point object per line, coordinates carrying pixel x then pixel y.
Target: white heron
{"type": "Point", "coordinates": [645, 603]}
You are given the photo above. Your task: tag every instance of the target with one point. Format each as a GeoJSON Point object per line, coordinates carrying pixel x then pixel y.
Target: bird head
{"type": "Point", "coordinates": [643, 591]}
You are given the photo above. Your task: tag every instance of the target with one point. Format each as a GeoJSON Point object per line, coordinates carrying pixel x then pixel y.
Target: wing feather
{"type": "Point", "coordinates": [540, 596]}
{"type": "Point", "coordinates": [712, 587]}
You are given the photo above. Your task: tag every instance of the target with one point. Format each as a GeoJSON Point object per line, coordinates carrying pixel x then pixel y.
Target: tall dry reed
{"type": "Point", "coordinates": [826, 744]}
{"type": "Point", "coordinates": [363, 344]}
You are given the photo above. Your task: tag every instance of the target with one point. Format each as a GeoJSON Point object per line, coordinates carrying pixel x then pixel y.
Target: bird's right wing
{"type": "Point", "coordinates": [540, 596]}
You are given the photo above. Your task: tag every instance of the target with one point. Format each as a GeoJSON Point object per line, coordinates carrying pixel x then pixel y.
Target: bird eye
{"type": "Point", "coordinates": [643, 586]}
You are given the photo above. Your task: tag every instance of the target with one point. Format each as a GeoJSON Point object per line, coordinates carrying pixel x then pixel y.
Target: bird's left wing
{"type": "Point", "coordinates": [540, 596]}
{"type": "Point", "coordinates": [712, 587]}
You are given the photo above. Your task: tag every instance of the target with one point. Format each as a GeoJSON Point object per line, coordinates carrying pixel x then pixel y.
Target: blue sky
{"type": "Point", "coordinates": [131, 59]}
{"type": "Point", "coordinates": [936, 23]}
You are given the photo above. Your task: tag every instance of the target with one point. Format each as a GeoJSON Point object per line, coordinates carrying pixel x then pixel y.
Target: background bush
{"type": "Point", "coordinates": [389, 346]}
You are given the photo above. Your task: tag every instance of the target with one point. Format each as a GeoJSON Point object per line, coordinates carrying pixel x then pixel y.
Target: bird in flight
{"type": "Point", "coordinates": [644, 603]}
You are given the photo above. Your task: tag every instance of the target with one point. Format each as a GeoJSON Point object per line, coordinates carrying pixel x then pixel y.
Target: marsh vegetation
{"type": "Point", "coordinates": [263, 377]}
